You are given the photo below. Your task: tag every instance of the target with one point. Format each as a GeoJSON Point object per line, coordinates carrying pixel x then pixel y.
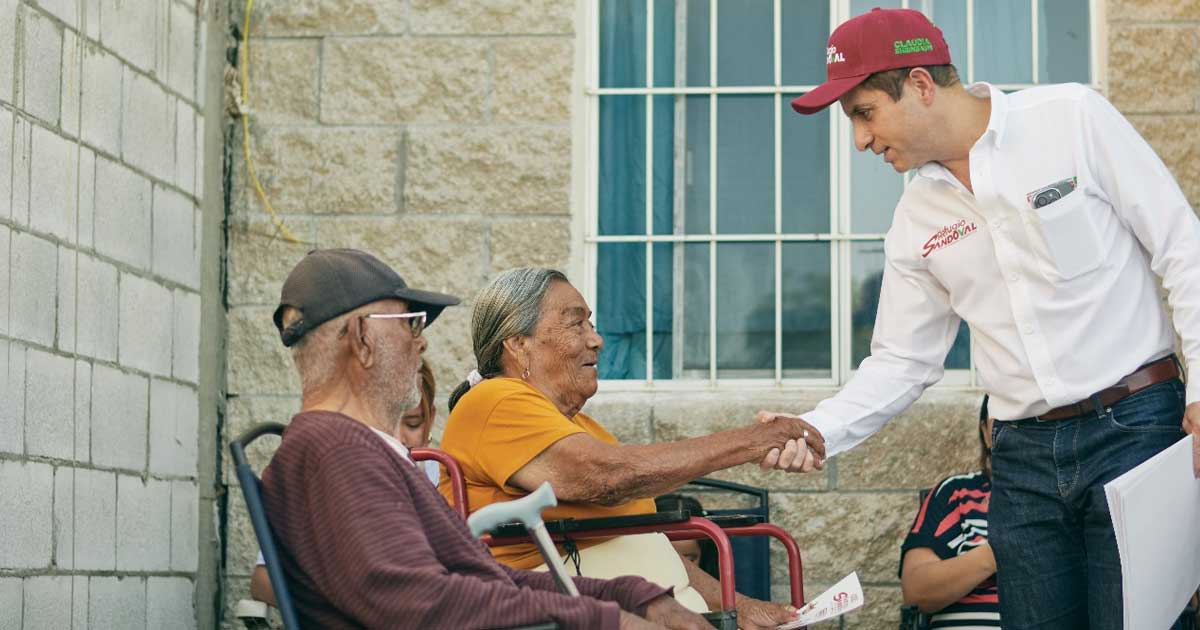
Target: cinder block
{"type": "Point", "coordinates": [90, 25]}
{"type": "Point", "coordinates": [50, 405]}
{"type": "Point", "coordinates": [148, 126]}
{"type": "Point", "coordinates": [117, 602]}
{"type": "Point", "coordinates": [181, 51]}
{"type": "Point", "coordinates": [64, 518]}
{"type": "Point", "coordinates": [64, 334]}
{"type": "Point", "coordinates": [122, 221]}
{"type": "Point", "coordinates": [27, 488]}
{"type": "Point", "coordinates": [119, 406]}
{"type": "Point", "coordinates": [8, 39]}
{"type": "Point", "coordinates": [95, 520]}
{"type": "Point", "coordinates": [79, 602]}
{"type": "Point", "coordinates": [101, 110]}
{"type": "Point", "coordinates": [185, 146]}
{"type": "Point", "coordinates": [10, 595]}
{"type": "Point", "coordinates": [145, 329]}
{"type": "Point", "coordinates": [48, 602]}
{"type": "Point", "coordinates": [6, 140]}
{"type": "Point", "coordinates": [41, 65]}
{"type": "Point", "coordinates": [143, 524]}
{"type": "Point", "coordinates": [201, 54]}
{"type": "Point", "coordinates": [199, 156]}
{"type": "Point", "coordinates": [5, 249]}
{"type": "Point", "coordinates": [174, 237]}
{"type": "Point", "coordinates": [12, 391]}
{"type": "Point", "coordinates": [169, 603]}
{"type": "Point", "coordinates": [96, 334]}
{"type": "Point", "coordinates": [83, 411]}
{"type": "Point", "coordinates": [174, 426]}
{"type": "Point", "coordinates": [72, 83]}
{"type": "Point", "coordinates": [185, 542]}
{"type": "Point", "coordinates": [185, 361]}
{"type": "Point", "coordinates": [64, 10]}
{"type": "Point", "coordinates": [34, 268]}
{"type": "Point", "coordinates": [128, 28]}
{"type": "Point", "coordinates": [53, 189]}
{"type": "Point", "coordinates": [21, 154]}
{"type": "Point", "coordinates": [87, 197]}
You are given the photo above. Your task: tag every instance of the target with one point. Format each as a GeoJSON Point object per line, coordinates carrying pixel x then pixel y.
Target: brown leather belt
{"type": "Point", "coordinates": [1161, 370]}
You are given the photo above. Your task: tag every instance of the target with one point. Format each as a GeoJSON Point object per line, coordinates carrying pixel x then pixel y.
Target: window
{"type": "Point", "coordinates": [727, 237]}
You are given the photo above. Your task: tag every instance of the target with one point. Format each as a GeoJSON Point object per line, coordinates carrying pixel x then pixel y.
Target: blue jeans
{"type": "Point", "coordinates": [1048, 522]}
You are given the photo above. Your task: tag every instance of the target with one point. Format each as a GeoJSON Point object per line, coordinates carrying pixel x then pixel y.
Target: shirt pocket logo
{"type": "Point", "coordinates": [1070, 235]}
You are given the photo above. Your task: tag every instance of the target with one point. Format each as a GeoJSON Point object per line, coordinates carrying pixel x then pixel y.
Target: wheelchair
{"type": "Point", "coordinates": [676, 526]}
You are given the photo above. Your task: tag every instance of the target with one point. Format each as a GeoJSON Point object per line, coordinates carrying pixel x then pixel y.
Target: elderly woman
{"type": "Point", "coordinates": [516, 423]}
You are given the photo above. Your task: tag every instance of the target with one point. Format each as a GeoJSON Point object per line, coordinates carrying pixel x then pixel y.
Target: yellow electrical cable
{"type": "Point", "coordinates": [244, 111]}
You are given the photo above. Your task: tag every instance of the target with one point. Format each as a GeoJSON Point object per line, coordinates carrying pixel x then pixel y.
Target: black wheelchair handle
{"type": "Point", "coordinates": [238, 446]}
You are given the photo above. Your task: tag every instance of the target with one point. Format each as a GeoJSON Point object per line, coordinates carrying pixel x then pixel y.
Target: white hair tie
{"type": "Point", "coordinates": [474, 378]}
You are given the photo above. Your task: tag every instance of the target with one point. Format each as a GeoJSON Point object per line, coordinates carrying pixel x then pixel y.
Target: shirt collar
{"type": "Point", "coordinates": [994, 133]}
{"type": "Point", "coordinates": [396, 445]}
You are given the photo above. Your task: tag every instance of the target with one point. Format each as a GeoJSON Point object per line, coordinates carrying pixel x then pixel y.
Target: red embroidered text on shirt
{"type": "Point", "coordinates": [947, 236]}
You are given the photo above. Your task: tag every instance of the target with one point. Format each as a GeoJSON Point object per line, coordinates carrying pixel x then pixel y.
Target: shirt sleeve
{"type": "Point", "coordinates": [519, 428]}
{"type": "Point", "coordinates": [630, 592]}
{"type": "Point", "coordinates": [914, 330]}
{"type": "Point", "coordinates": [921, 534]}
{"type": "Point", "coordinates": [381, 565]}
{"type": "Point", "coordinates": [1147, 198]}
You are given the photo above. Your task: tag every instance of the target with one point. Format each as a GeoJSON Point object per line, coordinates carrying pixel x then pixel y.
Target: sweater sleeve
{"type": "Point", "coordinates": [631, 593]}
{"type": "Point", "coordinates": [375, 562]}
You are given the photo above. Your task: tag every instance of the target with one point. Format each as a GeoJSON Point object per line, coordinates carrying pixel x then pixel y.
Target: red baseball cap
{"type": "Point", "coordinates": [878, 40]}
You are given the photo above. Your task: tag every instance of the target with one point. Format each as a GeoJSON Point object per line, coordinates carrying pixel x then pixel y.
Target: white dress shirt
{"type": "Point", "coordinates": [1062, 301]}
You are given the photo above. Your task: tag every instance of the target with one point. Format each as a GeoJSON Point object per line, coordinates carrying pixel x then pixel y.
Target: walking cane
{"type": "Point", "coordinates": [528, 511]}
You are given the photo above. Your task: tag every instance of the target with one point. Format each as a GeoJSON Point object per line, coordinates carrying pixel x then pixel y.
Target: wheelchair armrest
{"type": "Point", "coordinates": [689, 527]}
{"type": "Point", "coordinates": [911, 618]}
{"type": "Point", "coordinates": [253, 614]}
{"type": "Point", "coordinates": [579, 525]}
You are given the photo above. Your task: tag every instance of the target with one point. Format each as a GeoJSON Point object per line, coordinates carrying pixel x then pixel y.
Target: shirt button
{"type": "Point", "coordinates": [1027, 329]}
{"type": "Point", "coordinates": [1013, 277]}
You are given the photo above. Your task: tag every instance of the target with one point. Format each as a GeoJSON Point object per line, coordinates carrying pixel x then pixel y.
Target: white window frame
{"type": "Point", "coordinates": [586, 95]}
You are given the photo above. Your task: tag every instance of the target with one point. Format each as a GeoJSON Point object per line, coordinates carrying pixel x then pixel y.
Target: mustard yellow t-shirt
{"type": "Point", "coordinates": [497, 428]}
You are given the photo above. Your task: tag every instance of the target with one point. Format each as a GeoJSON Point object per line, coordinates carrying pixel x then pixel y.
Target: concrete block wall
{"type": "Point", "coordinates": [437, 134]}
{"type": "Point", "coordinates": [101, 157]}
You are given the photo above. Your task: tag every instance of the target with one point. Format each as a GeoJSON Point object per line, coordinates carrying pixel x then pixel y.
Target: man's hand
{"type": "Point", "coordinates": [669, 613]}
{"type": "Point", "coordinates": [1191, 424]}
{"type": "Point", "coordinates": [754, 614]}
{"type": "Point", "coordinates": [804, 453]}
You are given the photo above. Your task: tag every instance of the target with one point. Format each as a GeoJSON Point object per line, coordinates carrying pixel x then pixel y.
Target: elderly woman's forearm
{"type": "Point", "coordinates": [646, 470]}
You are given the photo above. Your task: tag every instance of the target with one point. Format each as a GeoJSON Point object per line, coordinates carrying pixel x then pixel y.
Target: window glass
{"type": "Point", "coordinates": [745, 164]}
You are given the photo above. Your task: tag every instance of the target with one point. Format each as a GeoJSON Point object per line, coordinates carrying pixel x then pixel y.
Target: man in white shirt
{"type": "Point", "coordinates": [1044, 221]}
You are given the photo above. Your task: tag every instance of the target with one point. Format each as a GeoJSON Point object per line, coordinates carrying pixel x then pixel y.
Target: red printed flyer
{"type": "Point", "coordinates": [840, 599]}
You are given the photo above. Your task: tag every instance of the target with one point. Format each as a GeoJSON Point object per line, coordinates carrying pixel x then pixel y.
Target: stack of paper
{"type": "Point", "coordinates": [1155, 511]}
{"type": "Point", "coordinates": [840, 599]}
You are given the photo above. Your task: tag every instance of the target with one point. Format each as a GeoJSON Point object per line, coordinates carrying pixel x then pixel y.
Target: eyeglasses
{"type": "Point", "coordinates": [416, 321]}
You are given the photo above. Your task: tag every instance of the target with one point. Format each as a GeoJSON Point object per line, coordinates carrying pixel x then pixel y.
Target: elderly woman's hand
{"type": "Point", "coordinates": [755, 614]}
{"type": "Point", "coordinates": [804, 451]}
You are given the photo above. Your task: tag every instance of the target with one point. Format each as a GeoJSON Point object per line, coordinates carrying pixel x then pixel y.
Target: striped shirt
{"type": "Point", "coordinates": [952, 521]}
{"type": "Point", "coordinates": [366, 541]}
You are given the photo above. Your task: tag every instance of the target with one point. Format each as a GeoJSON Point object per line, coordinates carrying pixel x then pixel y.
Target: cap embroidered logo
{"type": "Point", "coordinates": [910, 46]}
{"type": "Point", "coordinates": [833, 56]}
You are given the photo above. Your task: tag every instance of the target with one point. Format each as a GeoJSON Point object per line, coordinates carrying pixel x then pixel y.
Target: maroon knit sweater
{"type": "Point", "coordinates": [367, 541]}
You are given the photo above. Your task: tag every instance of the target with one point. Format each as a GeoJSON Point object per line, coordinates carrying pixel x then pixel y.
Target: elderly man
{"type": "Point", "coordinates": [366, 539]}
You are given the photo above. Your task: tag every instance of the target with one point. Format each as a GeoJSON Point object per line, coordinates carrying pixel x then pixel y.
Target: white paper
{"type": "Point", "coordinates": [840, 599]}
{"type": "Point", "coordinates": [1155, 511]}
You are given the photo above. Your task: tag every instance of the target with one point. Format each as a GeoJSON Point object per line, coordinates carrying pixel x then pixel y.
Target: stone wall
{"type": "Point", "coordinates": [437, 134]}
{"type": "Point", "coordinates": [101, 154]}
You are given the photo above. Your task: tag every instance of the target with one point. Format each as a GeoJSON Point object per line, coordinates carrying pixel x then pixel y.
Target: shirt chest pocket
{"type": "Point", "coordinates": [1071, 238]}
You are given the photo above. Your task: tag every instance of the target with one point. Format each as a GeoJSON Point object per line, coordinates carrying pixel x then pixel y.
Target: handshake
{"type": "Point", "coordinates": [803, 447]}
